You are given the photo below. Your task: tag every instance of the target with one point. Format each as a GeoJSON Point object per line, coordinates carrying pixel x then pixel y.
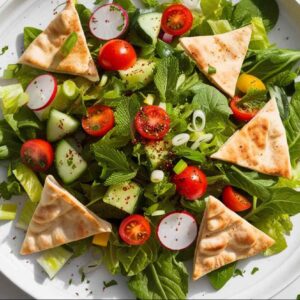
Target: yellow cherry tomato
{"type": "Point", "coordinates": [247, 82]}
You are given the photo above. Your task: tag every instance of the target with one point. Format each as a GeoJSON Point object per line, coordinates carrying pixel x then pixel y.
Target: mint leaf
{"type": "Point", "coordinates": [166, 76]}
{"type": "Point", "coordinates": [186, 152]}
{"type": "Point", "coordinates": [220, 277]}
{"type": "Point", "coordinates": [211, 101]}
{"type": "Point", "coordinates": [164, 279]}
{"type": "Point", "coordinates": [119, 177]}
{"type": "Point", "coordinates": [254, 270]}
{"type": "Point", "coordinates": [254, 99]}
{"type": "Point", "coordinates": [238, 272]}
{"type": "Point", "coordinates": [114, 159]}
{"type": "Point", "coordinates": [125, 114]}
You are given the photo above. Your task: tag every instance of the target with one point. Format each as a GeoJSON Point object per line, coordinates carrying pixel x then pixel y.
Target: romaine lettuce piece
{"type": "Point", "coordinates": [8, 211]}
{"type": "Point", "coordinates": [12, 97]}
{"type": "Point", "coordinates": [259, 38]}
{"type": "Point", "coordinates": [53, 260]}
{"type": "Point", "coordinates": [29, 182]}
{"type": "Point", "coordinates": [219, 26]}
{"type": "Point", "coordinates": [26, 214]}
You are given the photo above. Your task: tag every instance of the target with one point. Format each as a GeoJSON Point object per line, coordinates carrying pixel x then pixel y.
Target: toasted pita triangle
{"type": "Point", "coordinates": [225, 52]}
{"type": "Point", "coordinates": [225, 237]}
{"type": "Point", "coordinates": [44, 52]}
{"type": "Point", "coordinates": [261, 145]}
{"type": "Point", "coordinates": [60, 219]}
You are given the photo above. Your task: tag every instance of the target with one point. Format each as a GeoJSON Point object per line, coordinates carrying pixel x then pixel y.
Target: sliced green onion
{"type": "Point", "coordinates": [163, 105]}
{"type": "Point", "coordinates": [8, 211]}
{"type": "Point", "coordinates": [69, 44]}
{"type": "Point", "coordinates": [149, 100]}
{"type": "Point", "coordinates": [169, 108]}
{"type": "Point", "coordinates": [103, 80]}
{"type": "Point", "coordinates": [70, 90]}
{"type": "Point", "coordinates": [158, 213]}
{"type": "Point", "coordinates": [204, 138]}
{"type": "Point", "coordinates": [180, 167]}
{"type": "Point", "coordinates": [53, 260]}
{"type": "Point", "coordinates": [180, 139]}
{"type": "Point", "coordinates": [157, 176]}
{"type": "Point", "coordinates": [26, 215]}
{"type": "Point", "coordinates": [211, 70]}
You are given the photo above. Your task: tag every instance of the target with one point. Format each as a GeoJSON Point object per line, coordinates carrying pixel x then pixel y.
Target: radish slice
{"type": "Point", "coordinates": [108, 22]}
{"type": "Point", "coordinates": [42, 91]}
{"type": "Point", "coordinates": [177, 230]}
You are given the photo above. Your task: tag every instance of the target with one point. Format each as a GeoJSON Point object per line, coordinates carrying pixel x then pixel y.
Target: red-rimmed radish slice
{"type": "Point", "coordinates": [108, 22]}
{"type": "Point", "coordinates": [42, 91]}
{"type": "Point", "coordinates": [177, 230]}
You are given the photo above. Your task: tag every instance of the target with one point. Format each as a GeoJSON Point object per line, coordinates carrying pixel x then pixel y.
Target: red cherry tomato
{"type": "Point", "coordinates": [135, 230]}
{"type": "Point", "coordinates": [37, 154]}
{"type": "Point", "coordinates": [99, 120]}
{"type": "Point", "coordinates": [152, 122]}
{"type": "Point", "coordinates": [234, 200]}
{"type": "Point", "coordinates": [239, 113]}
{"type": "Point", "coordinates": [116, 55]}
{"type": "Point", "coordinates": [191, 183]}
{"type": "Point", "coordinates": [177, 20]}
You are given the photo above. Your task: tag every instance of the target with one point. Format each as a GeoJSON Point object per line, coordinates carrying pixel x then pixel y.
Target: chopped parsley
{"type": "Point", "coordinates": [254, 270]}
{"type": "Point", "coordinates": [3, 50]}
{"type": "Point", "coordinates": [238, 272]}
{"type": "Point", "coordinates": [107, 284]}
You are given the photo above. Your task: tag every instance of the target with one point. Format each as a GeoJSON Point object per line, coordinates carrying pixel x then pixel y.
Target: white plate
{"type": "Point", "coordinates": [275, 273]}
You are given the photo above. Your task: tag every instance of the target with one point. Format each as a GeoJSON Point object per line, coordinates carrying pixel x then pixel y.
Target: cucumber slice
{"type": "Point", "coordinates": [69, 164]}
{"type": "Point", "coordinates": [59, 125]}
{"type": "Point", "coordinates": [139, 75]}
{"type": "Point", "coordinates": [148, 26]}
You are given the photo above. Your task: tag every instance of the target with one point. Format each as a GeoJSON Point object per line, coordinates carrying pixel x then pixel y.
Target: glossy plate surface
{"type": "Point", "coordinates": [274, 274]}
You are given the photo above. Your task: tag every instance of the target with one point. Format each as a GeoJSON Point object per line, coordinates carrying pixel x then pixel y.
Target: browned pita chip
{"type": "Point", "coordinates": [60, 219]}
{"type": "Point", "coordinates": [44, 52]}
{"type": "Point", "coordinates": [261, 145]}
{"type": "Point", "coordinates": [225, 237]}
{"type": "Point", "coordinates": [223, 52]}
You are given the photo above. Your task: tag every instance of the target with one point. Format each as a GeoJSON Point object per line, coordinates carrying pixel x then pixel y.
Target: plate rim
{"type": "Point", "coordinates": [33, 288]}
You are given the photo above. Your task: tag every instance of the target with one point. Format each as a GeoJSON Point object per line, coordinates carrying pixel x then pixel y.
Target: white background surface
{"type": "Point", "coordinates": [274, 272]}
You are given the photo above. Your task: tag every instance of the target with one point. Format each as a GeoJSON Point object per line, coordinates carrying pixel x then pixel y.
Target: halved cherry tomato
{"type": "Point", "coordinates": [177, 20]}
{"type": "Point", "coordinates": [135, 230]}
{"type": "Point", "coordinates": [191, 183]}
{"type": "Point", "coordinates": [239, 113]}
{"type": "Point", "coordinates": [116, 55]}
{"type": "Point", "coordinates": [99, 120]}
{"type": "Point", "coordinates": [152, 122]}
{"type": "Point", "coordinates": [37, 154]}
{"type": "Point", "coordinates": [234, 200]}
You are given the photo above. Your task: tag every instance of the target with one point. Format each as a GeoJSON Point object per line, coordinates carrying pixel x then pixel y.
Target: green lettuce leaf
{"type": "Point", "coordinates": [276, 226]}
{"type": "Point", "coordinates": [215, 9]}
{"type": "Point", "coordinates": [165, 279]}
{"type": "Point", "coordinates": [26, 214]}
{"type": "Point", "coordinates": [267, 63]}
{"type": "Point", "coordinates": [30, 34]}
{"type": "Point", "coordinates": [245, 10]}
{"type": "Point", "coordinates": [220, 277]}
{"type": "Point", "coordinates": [29, 181]}
{"type": "Point", "coordinates": [8, 211]}
{"type": "Point", "coordinates": [12, 98]}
